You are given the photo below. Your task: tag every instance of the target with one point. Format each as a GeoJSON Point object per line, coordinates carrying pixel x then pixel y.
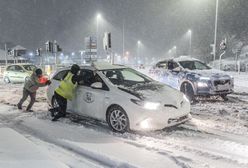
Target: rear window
{"type": "Point", "coordinates": [60, 76]}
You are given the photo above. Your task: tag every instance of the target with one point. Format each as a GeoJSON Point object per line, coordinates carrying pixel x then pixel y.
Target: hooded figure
{"type": "Point", "coordinates": [30, 87]}
{"type": "Point", "coordinates": [65, 91]}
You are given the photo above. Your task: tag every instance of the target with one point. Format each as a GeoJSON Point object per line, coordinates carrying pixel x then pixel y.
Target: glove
{"type": "Point", "coordinates": [48, 82]}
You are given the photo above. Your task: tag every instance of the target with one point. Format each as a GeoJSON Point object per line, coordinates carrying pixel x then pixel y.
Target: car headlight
{"type": "Point", "coordinates": [151, 105]}
{"type": "Point", "coordinates": [202, 84]}
{"type": "Point", "coordinates": [203, 81]}
{"type": "Point", "coordinates": [145, 124]}
{"type": "Point", "coordinates": [147, 104]}
{"type": "Point", "coordinates": [204, 78]}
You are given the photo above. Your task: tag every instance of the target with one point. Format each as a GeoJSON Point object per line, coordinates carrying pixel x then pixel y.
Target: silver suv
{"type": "Point", "coordinates": [193, 77]}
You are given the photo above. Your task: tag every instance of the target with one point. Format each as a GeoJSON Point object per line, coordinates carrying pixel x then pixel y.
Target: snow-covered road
{"type": "Point", "coordinates": [215, 137]}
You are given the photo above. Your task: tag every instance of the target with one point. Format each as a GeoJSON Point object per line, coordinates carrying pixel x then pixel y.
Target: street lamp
{"type": "Point", "coordinates": [31, 54]}
{"type": "Point", "coordinates": [139, 43]}
{"type": "Point", "coordinates": [190, 42]}
{"type": "Point", "coordinates": [98, 18]}
{"type": "Point", "coordinates": [215, 27]}
{"type": "Point", "coordinates": [175, 48]}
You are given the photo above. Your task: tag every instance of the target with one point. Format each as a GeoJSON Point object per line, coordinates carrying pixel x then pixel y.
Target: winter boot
{"type": "Point", "coordinates": [19, 106]}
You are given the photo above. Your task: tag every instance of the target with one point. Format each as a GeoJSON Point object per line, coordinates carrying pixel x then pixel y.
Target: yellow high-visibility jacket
{"type": "Point", "coordinates": [66, 88]}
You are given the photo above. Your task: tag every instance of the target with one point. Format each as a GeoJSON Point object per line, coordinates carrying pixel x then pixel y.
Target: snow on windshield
{"type": "Point", "coordinates": [126, 77]}
{"type": "Point", "coordinates": [194, 65]}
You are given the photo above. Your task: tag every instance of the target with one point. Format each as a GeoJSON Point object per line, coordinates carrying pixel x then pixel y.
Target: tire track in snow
{"type": "Point", "coordinates": [91, 156]}
{"type": "Point", "coordinates": [137, 138]}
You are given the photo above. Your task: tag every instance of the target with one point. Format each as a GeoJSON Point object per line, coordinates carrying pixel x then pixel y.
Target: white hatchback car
{"type": "Point", "coordinates": [124, 98]}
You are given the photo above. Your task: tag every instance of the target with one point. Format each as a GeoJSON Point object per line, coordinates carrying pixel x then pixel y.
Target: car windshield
{"type": "Point", "coordinates": [126, 77]}
{"type": "Point", "coordinates": [194, 65]}
{"type": "Point", "coordinates": [29, 67]}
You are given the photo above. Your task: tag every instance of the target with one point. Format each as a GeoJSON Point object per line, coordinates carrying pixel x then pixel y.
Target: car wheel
{"type": "Point", "coordinates": [6, 79]}
{"type": "Point", "coordinates": [224, 97]}
{"type": "Point", "coordinates": [55, 106]}
{"type": "Point", "coordinates": [117, 119]}
{"type": "Point", "coordinates": [187, 89]}
{"type": "Point", "coordinates": [54, 102]}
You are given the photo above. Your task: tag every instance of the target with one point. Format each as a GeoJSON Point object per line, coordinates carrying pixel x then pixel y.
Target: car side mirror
{"type": "Point", "coordinates": [96, 85]}
{"type": "Point", "coordinates": [177, 69]}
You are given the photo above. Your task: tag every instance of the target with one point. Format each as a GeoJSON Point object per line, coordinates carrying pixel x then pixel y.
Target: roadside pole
{"type": "Point", "coordinates": [220, 59]}
{"type": "Point", "coordinates": [6, 54]}
{"type": "Point", "coordinates": [216, 27]}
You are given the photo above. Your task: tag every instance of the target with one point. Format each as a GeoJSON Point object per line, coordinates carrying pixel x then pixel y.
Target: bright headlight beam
{"type": "Point", "coordinates": [204, 78]}
{"type": "Point", "coordinates": [151, 105]}
{"type": "Point", "coordinates": [202, 84]}
{"type": "Point", "coordinates": [144, 124]}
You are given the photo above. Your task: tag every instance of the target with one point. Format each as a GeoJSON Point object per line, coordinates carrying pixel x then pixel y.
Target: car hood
{"type": "Point", "coordinates": [211, 73]}
{"type": "Point", "coordinates": [155, 92]}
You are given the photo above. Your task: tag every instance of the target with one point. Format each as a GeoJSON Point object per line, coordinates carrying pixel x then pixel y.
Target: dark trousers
{"type": "Point", "coordinates": [62, 105]}
{"type": "Point", "coordinates": [25, 95]}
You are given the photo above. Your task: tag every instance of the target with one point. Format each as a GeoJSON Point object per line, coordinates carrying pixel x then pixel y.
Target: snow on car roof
{"type": "Point", "coordinates": [106, 65]}
{"type": "Point", "coordinates": [21, 64]}
{"type": "Point", "coordinates": [185, 58]}
{"type": "Point", "coordinates": [96, 66]}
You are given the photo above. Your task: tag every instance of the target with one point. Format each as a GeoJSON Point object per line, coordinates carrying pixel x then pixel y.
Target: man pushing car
{"type": "Point", "coordinates": [64, 92]}
{"type": "Point", "coordinates": [31, 85]}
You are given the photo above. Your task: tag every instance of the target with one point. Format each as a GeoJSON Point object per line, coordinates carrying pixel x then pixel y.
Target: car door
{"type": "Point", "coordinates": [174, 75]}
{"type": "Point", "coordinates": [163, 73]}
{"type": "Point", "coordinates": [55, 83]}
{"type": "Point", "coordinates": [90, 101]}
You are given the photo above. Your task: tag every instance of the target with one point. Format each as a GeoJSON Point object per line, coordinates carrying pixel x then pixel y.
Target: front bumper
{"type": "Point", "coordinates": [146, 120]}
{"type": "Point", "coordinates": [214, 87]}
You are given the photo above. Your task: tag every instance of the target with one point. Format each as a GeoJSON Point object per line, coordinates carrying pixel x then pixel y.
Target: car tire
{"type": "Point", "coordinates": [187, 89]}
{"type": "Point", "coordinates": [224, 97]}
{"type": "Point", "coordinates": [6, 80]}
{"type": "Point", "coordinates": [54, 105]}
{"type": "Point", "coordinates": [117, 119]}
{"type": "Point", "coordinates": [54, 102]}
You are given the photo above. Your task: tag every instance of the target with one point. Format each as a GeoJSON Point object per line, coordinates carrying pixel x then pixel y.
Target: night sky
{"type": "Point", "coordinates": [159, 24]}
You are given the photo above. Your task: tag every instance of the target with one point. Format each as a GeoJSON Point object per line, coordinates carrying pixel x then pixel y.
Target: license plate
{"type": "Point", "coordinates": [223, 87]}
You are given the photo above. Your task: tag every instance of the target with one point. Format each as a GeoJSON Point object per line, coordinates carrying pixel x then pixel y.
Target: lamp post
{"type": "Point", "coordinates": [169, 53]}
{"type": "Point", "coordinates": [175, 49]}
{"type": "Point", "coordinates": [190, 42]}
{"type": "Point", "coordinates": [216, 28]}
{"type": "Point", "coordinates": [138, 50]}
{"type": "Point", "coordinates": [98, 17]}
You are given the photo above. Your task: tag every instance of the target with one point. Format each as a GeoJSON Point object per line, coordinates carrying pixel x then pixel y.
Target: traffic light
{"type": "Point", "coordinates": [9, 53]}
{"type": "Point", "coordinates": [38, 52]}
{"type": "Point", "coordinates": [109, 40]}
{"type": "Point", "coordinates": [49, 46]}
{"type": "Point", "coordinates": [59, 49]}
{"type": "Point", "coordinates": [223, 45]}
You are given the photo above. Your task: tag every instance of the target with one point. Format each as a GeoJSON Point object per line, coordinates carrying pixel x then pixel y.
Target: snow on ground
{"type": "Point", "coordinates": [22, 154]}
{"type": "Point", "coordinates": [241, 81]}
{"type": "Point", "coordinates": [215, 137]}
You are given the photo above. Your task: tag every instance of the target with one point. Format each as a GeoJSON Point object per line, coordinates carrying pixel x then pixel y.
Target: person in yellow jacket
{"type": "Point", "coordinates": [65, 91]}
